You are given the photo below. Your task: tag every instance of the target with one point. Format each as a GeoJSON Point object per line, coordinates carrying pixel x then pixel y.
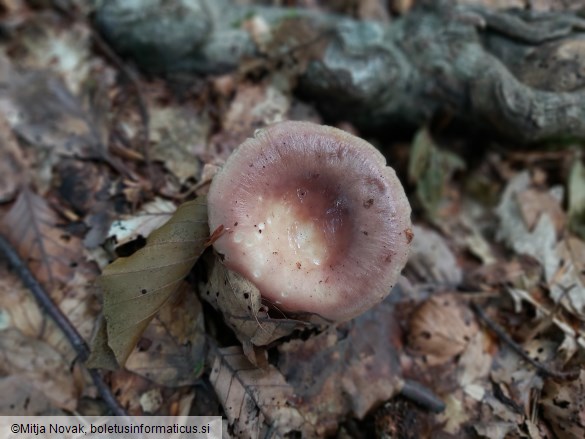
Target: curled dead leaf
{"type": "Point", "coordinates": [441, 328]}
{"type": "Point", "coordinates": [241, 305]}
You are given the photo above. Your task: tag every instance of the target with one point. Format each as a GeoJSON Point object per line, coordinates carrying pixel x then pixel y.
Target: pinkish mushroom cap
{"type": "Point", "coordinates": [314, 218]}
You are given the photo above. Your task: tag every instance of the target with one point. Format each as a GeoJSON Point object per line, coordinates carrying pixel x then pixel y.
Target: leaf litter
{"type": "Point", "coordinates": [72, 162]}
{"type": "Point", "coordinates": [136, 288]}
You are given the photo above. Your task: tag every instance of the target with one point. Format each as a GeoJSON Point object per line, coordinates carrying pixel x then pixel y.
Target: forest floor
{"type": "Point", "coordinates": [483, 336]}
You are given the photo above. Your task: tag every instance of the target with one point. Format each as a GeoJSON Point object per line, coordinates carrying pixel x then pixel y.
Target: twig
{"type": "Point", "coordinates": [505, 337]}
{"type": "Point", "coordinates": [133, 78]}
{"type": "Point", "coordinates": [47, 304]}
{"type": "Point", "coordinates": [424, 397]}
{"type": "Point", "coordinates": [126, 71]}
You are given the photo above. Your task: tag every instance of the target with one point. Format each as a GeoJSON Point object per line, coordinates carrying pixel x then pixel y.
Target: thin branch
{"type": "Point", "coordinates": [134, 80]}
{"type": "Point", "coordinates": [505, 337]}
{"type": "Point", "coordinates": [422, 396]}
{"type": "Point", "coordinates": [47, 304]}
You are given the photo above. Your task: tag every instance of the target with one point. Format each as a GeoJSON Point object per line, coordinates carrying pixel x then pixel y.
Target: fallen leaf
{"type": "Point", "coordinates": [32, 227]}
{"type": "Point", "coordinates": [514, 386]}
{"type": "Point", "coordinates": [36, 362]}
{"type": "Point", "coordinates": [576, 187]}
{"type": "Point", "coordinates": [441, 328]}
{"type": "Point", "coordinates": [137, 287]}
{"type": "Point", "coordinates": [560, 263]}
{"type": "Point", "coordinates": [21, 398]}
{"type": "Point", "coordinates": [150, 217]}
{"type": "Point", "coordinates": [563, 405]}
{"type": "Point", "coordinates": [252, 107]}
{"type": "Point", "coordinates": [176, 133]}
{"type": "Point", "coordinates": [18, 308]}
{"type": "Point", "coordinates": [78, 300]}
{"type": "Point", "coordinates": [570, 276]}
{"type": "Point", "coordinates": [533, 203]}
{"type": "Point", "coordinates": [241, 305]}
{"type": "Point", "coordinates": [346, 370]}
{"type": "Point", "coordinates": [42, 110]}
{"type": "Point", "coordinates": [256, 401]}
{"type": "Point", "coordinates": [431, 261]}
{"type": "Point", "coordinates": [430, 168]}
{"type": "Point", "coordinates": [12, 163]}
{"type": "Point", "coordinates": [172, 348]}
{"type": "Point", "coordinates": [101, 355]}
{"type": "Point", "coordinates": [128, 388]}
{"type": "Point", "coordinates": [48, 43]}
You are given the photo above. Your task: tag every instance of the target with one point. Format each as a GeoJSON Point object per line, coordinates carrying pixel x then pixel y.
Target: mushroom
{"type": "Point", "coordinates": [313, 217]}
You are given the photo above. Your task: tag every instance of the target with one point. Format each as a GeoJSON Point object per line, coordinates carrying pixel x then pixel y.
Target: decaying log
{"type": "Point", "coordinates": [516, 73]}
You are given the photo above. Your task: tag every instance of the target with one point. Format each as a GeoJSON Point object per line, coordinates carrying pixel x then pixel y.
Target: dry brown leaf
{"type": "Point", "coordinates": [101, 355]}
{"type": "Point", "coordinates": [51, 253]}
{"type": "Point", "coordinates": [346, 370]}
{"type": "Point", "coordinates": [255, 400]}
{"type": "Point", "coordinates": [11, 163]}
{"type": "Point", "coordinates": [21, 398]}
{"type": "Point", "coordinates": [463, 380]}
{"type": "Point", "coordinates": [40, 365]}
{"type": "Point", "coordinates": [150, 217]}
{"type": "Point", "coordinates": [79, 302]}
{"type": "Point", "coordinates": [253, 106]}
{"type": "Point", "coordinates": [137, 287]}
{"type": "Point", "coordinates": [441, 328]}
{"type": "Point", "coordinates": [171, 350]}
{"type": "Point", "coordinates": [41, 110]}
{"type": "Point", "coordinates": [517, 383]}
{"type": "Point", "coordinates": [533, 203]}
{"type": "Point", "coordinates": [46, 42]}
{"type": "Point", "coordinates": [241, 305]}
{"type": "Point", "coordinates": [542, 243]}
{"type": "Point", "coordinates": [431, 260]}
{"type": "Point", "coordinates": [19, 310]}
{"type": "Point", "coordinates": [128, 388]}
{"type": "Point", "coordinates": [177, 132]}
{"type": "Point", "coordinates": [571, 253]}
{"type": "Point", "coordinates": [474, 365]}
{"type": "Point", "coordinates": [563, 405]}
{"type": "Point", "coordinates": [520, 272]}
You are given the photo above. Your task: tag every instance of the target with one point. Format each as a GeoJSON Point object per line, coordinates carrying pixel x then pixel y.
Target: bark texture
{"type": "Point", "coordinates": [516, 73]}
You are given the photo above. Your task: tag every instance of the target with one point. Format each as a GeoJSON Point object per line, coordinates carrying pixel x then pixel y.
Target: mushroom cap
{"type": "Point", "coordinates": [313, 217]}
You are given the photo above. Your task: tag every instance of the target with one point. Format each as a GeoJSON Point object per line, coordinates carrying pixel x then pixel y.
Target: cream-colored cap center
{"type": "Point", "coordinates": [276, 239]}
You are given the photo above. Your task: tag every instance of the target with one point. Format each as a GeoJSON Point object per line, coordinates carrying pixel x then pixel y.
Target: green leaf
{"type": "Point", "coordinates": [577, 199]}
{"type": "Point", "coordinates": [430, 168]}
{"type": "Point", "coordinates": [137, 287]}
